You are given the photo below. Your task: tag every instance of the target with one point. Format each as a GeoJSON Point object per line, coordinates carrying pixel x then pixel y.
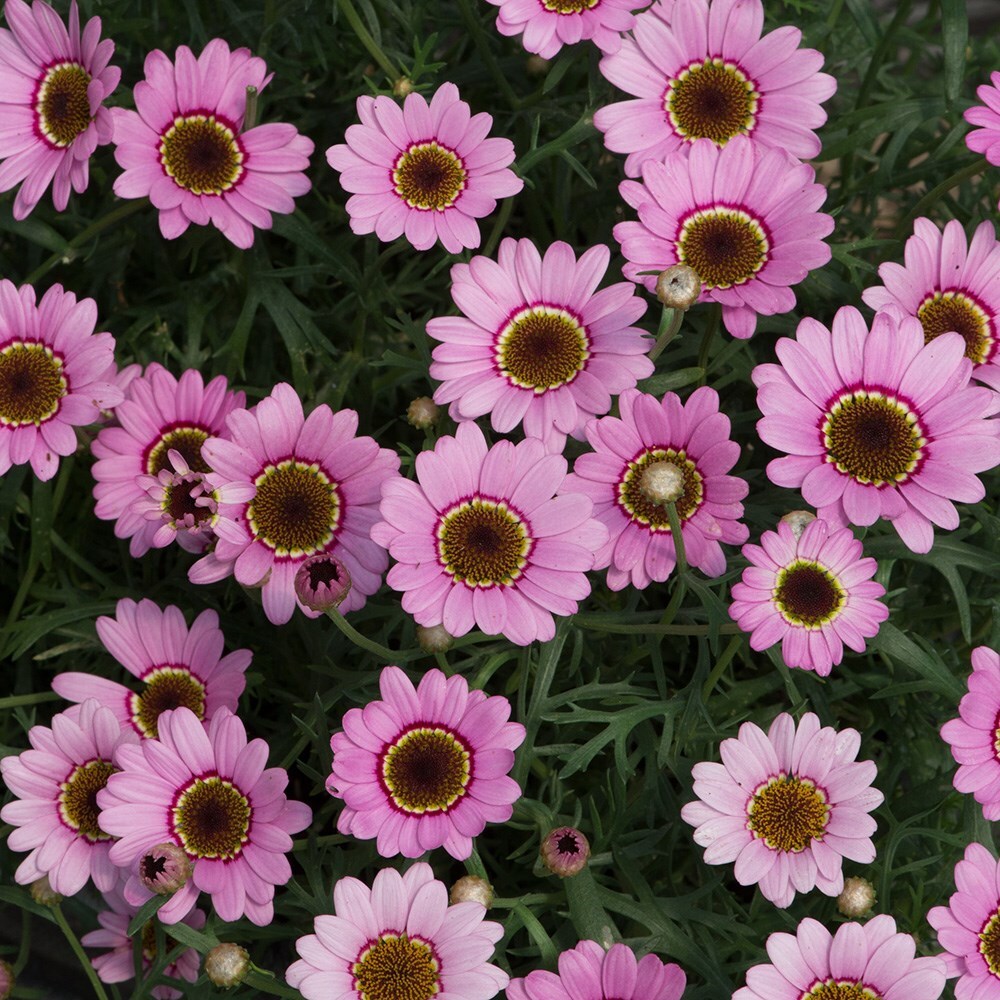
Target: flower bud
{"type": "Point", "coordinates": [6, 980]}
{"type": "Point", "coordinates": [43, 893]}
{"type": "Point", "coordinates": [227, 965]}
{"type": "Point", "coordinates": [662, 483]}
{"type": "Point", "coordinates": [798, 520]}
{"type": "Point", "coordinates": [857, 898]}
{"type": "Point", "coordinates": [434, 638]}
{"type": "Point", "coordinates": [472, 888]}
{"type": "Point", "coordinates": [565, 851]}
{"type": "Point", "coordinates": [322, 582]}
{"type": "Point", "coordinates": [164, 869]}
{"type": "Point", "coordinates": [678, 287]}
{"type": "Point", "coordinates": [423, 412]}
{"type": "Point", "coordinates": [403, 87]}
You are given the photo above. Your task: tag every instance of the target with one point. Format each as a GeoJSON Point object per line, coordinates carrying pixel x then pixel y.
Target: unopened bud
{"type": "Point", "coordinates": [798, 521]}
{"type": "Point", "coordinates": [403, 86]}
{"type": "Point", "coordinates": [678, 287]}
{"type": "Point", "coordinates": [227, 965]}
{"type": "Point", "coordinates": [6, 980]}
{"type": "Point", "coordinates": [662, 483]}
{"type": "Point", "coordinates": [43, 893]}
{"type": "Point", "coordinates": [537, 66]}
{"type": "Point", "coordinates": [471, 888]}
{"type": "Point", "coordinates": [565, 851]}
{"type": "Point", "coordinates": [322, 582]}
{"type": "Point", "coordinates": [423, 412]}
{"type": "Point", "coordinates": [434, 638]}
{"type": "Point", "coordinates": [857, 898]}
{"type": "Point", "coordinates": [164, 869]}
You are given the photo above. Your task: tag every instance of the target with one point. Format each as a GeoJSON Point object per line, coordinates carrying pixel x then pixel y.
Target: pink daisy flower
{"type": "Point", "coordinates": [969, 926]}
{"type": "Point", "coordinates": [537, 342]}
{"type": "Point", "coordinates": [56, 373]}
{"type": "Point", "coordinates": [178, 666]}
{"type": "Point", "coordinates": [55, 810]}
{"type": "Point", "coordinates": [401, 930]}
{"type": "Point", "coordinates": [289, 488]}
{"type": "Point", "coordinates": [425, 767]}
{"type": "Point", "coordinates": [160, 414]}
{"type": "Point", "coordinates": [423, 171]}
{"type": "Point", "coordinates": [869, 961]}
{"type": "Point", "coordinates": [703, 71]}
{"type": "Point", "coordinates": [548, 25]}
{"type": "Point", "coordinates": [54, 83]}
{"type": "Point", "coordinates": [986, 138]}
{"type": "Point", "coordinates": [814, 594]}
{"type": "Point", "coordinates": [185, 148]}
{"type": "Point", "coordinates": [480, 539]}
{"type": "Point", "coordinates": [949, 285]}
{"type": "Point", "coordinates": [650, 439]}
{"type": "Point", "coordinates": [588, 972]}
{"type": "Point", "coordinates": [786, 807]}
{"type": "Point", "coordinates": [743, 217]}
{"type": "Point", "coordinates": [207, 790]}
{"type": "Point", "coordinates": [973, 736]}
{"type": "Point", "coordinates": [878, 424]}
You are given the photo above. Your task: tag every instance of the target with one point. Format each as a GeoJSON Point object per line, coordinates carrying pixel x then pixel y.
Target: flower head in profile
{"type": "Point", "coordinates": [185, 148]}
{"type": "Point", "coordinates": [815, 594]}
{"type": "Point", "coordinates": [985, 138]}
{"type": "Point", "coordinates": [878, 425]}
{"type": "Point", "coordinates": [54, 83]}
{"type": "Point", "coordinates": [425, 767]}
{"type": "Point", "coordinates": [701, 70]}
{"type": "Point", "coordinates": [426, 171]}
{"type": "Point", "coordinates": [401, 930]}
{"type": "Point", "coordinates": [177, 665]}
{"type": "Point", "coordinates": [547, 25]}
{"type": "Point", "coordinates": [481, 539]}
{"type": "Point", "coordinates": [744, 217]}
{"type": "Point", "coordinates": [537, 343]}
{"type": "Point", "coordinates": [787, 807]}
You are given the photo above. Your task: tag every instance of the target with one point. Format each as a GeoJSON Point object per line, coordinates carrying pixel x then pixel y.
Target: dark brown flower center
{"type": "Point", "coordinates": [296, 509]}
{"type": "Point", "coordinates": [788, 813]}
{"type": "Point", "coordinates": [711, 100]}
{"type": "Point", "coordinates": [542, 348]}
{"type": "Point", "coordinates": [808, 594]}
{"type": "Point", "coordinates": [429, 177]}
{"type": "Point", "coordinates": [569, 6]}
{"type": "Point", "coordinates": [640, 508]}
{"type": "Point", "coordinates": [184, 501]}
{"type": "Point", "coordinates": [186, 439]}
{"type": "Point", "coordinates": [426, 770]}
{"type": "Point", "coordinates": [989, 943]}
{"type": "Point", "coordinates": [201, 154]}
{"type": "Point", "coordinates": [944, 312]}
{"type": "Point", "coordinates": [166, 688]}
{"type": "Point", "coordinates": [724, 246]}
{"type": "Point", "coordinates": [78, 798]}
{"type": "Point", "coordinates": [834, 990]}
{"type": "Point", "coordinates": [396, 967]}
{"type": "Point", "coordinates": [62, 105]}
{"type": "Point", "coordinates": [31, 384]}
{"type": "Point", "coordinates": [482, 543]}
{"type": "Point", "coordinates": [212, 819]}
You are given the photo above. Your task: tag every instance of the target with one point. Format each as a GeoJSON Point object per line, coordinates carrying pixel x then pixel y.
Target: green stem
{"type": "Point", "coordinates": [364, 36]}
{"type": "Point", "coordinates": [935, 194]}
{"type": "Point", "coordinates": [250, 115]}
{"type": "Point", "coordinates": [713, 678]}
{"type": "Point", "coordinates": [586, 911]}
{"type": "Point", "coordinates": [678, 537]}
{"type": "Point", "coordinates": [17, 700]}
{"type": "Point", "coordinates": [266, 982]}
{"type": "Point", "coordinates": [361, 641]}
{"type": "Point", "coordinates": [25, 948]}
{"type": "Point", "coordinates": [670, 323]}
{"type": "Point", "coordinates": [726, 628]}
{"type": "Point", "coordinates": [498, 227]}
{"type": "Point", "coordinates": [474, 865]}
{"type": "Point", "coordinates": [706, 340]}
{"type": "Point", "coordinates": [74, 943]}
{"type": "Point", "coordinates": [482, 43]}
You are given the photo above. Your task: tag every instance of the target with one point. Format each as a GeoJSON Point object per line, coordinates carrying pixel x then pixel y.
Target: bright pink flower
{"type": "Point", "coordinates": [54, 83]}
{"type": "Point", "coordinates": [701, 70]}
{"type": "Point", "coordinates": [185, 148]}
{"type": "Point", "coordinates": [178, 666]}
{"type": "Point", "coordinates": [426, 171]}
{"type": "Point", "coordinates": [289, 488]}
{"type": "Point", "coordinates": [814, 594]}
{"type": "Point", "coordinates": [425, 767]}
{"type": "Point", "coordinates": [55, 783]}
{"type": "Point", "coordinates": [548, 25]}
{"type": "Point", "coordinates": [537, 342]}
{"type": "Point", "coordinates": [55, 374]}
{"type": "Point", "coordinates": [480, 539]}
{"type": "Point", "coordinates": [973, 736]}
{"type": "Point", "coordinates": [207, 790]}
{"type": "Point", "coordinates": [786, 807]}
{"type": "Point", "coordinates": [651, 436]}
{"type": "Point", "coordinates": [969, 926]}
{"type": "Point", "coordinates": [403, 922]}
{"type": "Point", "coordinates": [160, 414]}
{"type": "Point", "coordinates": [588, 972]}
{"type": "Point", "coordinates": [878, 424]}
{"type": "Point", "coordinates": [870, 960]}
{"type": "Point", "coordinates": [986, 138]}
{"type": "Point", "coordinates": [949, 285]}
{"type": "Point", "coordinates": [743, 217]}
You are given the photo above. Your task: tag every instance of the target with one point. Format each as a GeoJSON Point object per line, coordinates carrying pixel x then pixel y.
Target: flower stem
{"type": "Point", "coordinates": [364, 36]}
{"type": "Point", "coordinates": [935, 194]}
{"type": "Point", "coordinates": [706, 340]}
{"type": "Point", "coordinates": [678, 537]}
{"type": "Point", "coordinates": [250, 115]}
{"type": "Point", "coordinates": [361, 641]}
{"type": "Point", "coordinates": [586, 911]}
{"type": "Point", "coordinates": [267, 982]}
{"type": "Point", "coordinates": [74, 943]}
{"type": "Point", "coordinates": [670, 323]}
{"type": "Point", "coordinates": [17, 700]}
{"type": "Point", "coordinates": [469, 16]}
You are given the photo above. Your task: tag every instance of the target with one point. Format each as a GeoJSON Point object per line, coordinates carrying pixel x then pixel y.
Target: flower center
{"type": "Point", "coordinates": [483, 543]}
{"type": "Point", "coordinates": [61, 103]}
{"type": "Point", "coordinates": [542, 348]}
{"type": "Point", "coordinates": [78, 798]}
{"type": "Point", "coordinates": [202, 154]}
{"type": "Point", "coordinates": [212, 819]}
{"type": "Point", "coordinates": [396, 967]}
{"type": "Point", "coordinates": [186, 439]}
{"type": "Point", "coordinates": [711, 100]}
{"type": "Point", "coordinates": [807, 593]}
{"type": "Point", "coordinates": [166, 688]}
{"type": "Point", "coordinates": [429, 177]}
{"type": "Point", "coordinates": [959, 312]}
{"type": "Point", "coordinates": [788, 813]}
{"type": "Point", "coordinates": [989, 943]}
{"type": "Point", "coordinates": [724, 246]}
{"type": "Point", "coordinates": [186, 503]}
{"type": "Point", "coordinates": [875, 439]}
{"type": "Point", "coordinates": [296, 508]}
{"type": "Point", "coordinates": [426, 770]}
{"type": "Point", "coordinates": [569, 6]}
{"type": "Point", "coordinates": [634, 501]}
{"type": "Point", "coordinates": [31, 383]}
{"type": "Point", "coordinates": [834, 990]}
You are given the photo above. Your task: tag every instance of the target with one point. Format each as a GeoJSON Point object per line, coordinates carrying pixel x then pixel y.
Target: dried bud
{"type": "Point", "coordinates": [322, 582]}
{"type": "Point", "coordinates": [472, 888]}
{"type": "Point", "coordinates": [662, 483]}
{"type": "Point", "coordinates": [227, 965]}
{"type": "Point", "coordinates": [403, 86]}
{"type": "Point", "coordinates": [537, 66]}
{"type": "Point", "coordinates": [565, 851]}
{"type": "Point", "coordinates": [43, 893]}
{"type": "Point", "coordinates": [678, 287]}
{"type": "Point", "coordinates": [798, 520]}
{"type": "Point", "coordinates": [423, 412]}
{"type": "Point", "coordinates": [857, 898]}
{"type": "Point", "coordinates": [164, 869]}
{"type": "Point", "coordinates": [434, 638]}
{"type": "Point", "coordinates": [6, 980]}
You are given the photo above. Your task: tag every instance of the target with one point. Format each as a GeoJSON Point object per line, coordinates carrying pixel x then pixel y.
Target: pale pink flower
{"type": "Point", "coordinates": [548, 25]}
